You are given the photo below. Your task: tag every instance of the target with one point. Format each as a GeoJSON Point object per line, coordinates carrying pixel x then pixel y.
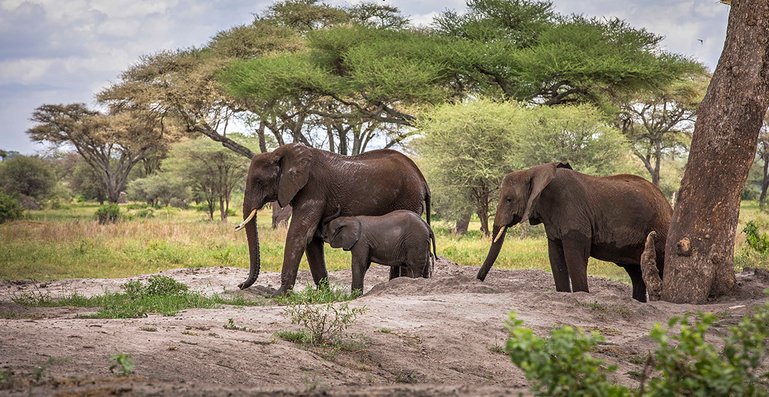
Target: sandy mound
{"type": "Point", "coordinates": [438, 336]}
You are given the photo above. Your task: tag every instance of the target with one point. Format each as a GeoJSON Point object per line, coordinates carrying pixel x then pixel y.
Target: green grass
{"type": "Point", "coordinates": [324, 294]}
{"type": "Point", "coordinates": [69, 243]}
{"type": "Point", "coordinates": [161, 295]}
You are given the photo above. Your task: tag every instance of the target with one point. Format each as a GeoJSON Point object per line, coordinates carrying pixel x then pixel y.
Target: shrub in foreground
{"type": "Point", "coordinates": [685, 364]}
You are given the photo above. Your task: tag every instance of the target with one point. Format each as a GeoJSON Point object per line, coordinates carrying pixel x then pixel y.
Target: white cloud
{"type": "Point", "coordinates": [54, 51]}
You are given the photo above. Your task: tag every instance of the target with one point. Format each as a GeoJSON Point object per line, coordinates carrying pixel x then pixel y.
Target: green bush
{"type": "Point", "coordinates": [758, 241]}
{"type": "Point", "coordinates": [691, 366]}
{"type": "Point", "coordinates": [684, 363]}
{"type": "Point", "coordinates": [322, 324]}
{"type": "Point", "coordinates": [9, 208]}
{"type": "Point", "coordinates": [560, 365]}
{"type": "Point", "coordinates": [108, 213]}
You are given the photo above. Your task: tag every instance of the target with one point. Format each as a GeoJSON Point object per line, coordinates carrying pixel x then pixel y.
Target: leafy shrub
{"type": "Point", "coordinates": [758, 241]}
{"type": "Point", "coordinates": [9, 208]}
{"type": "Point", "coordinates": [691, 366]}
{"type": "Point", "coordinates": [560, 365]}
{"type": "Point", "coordinates": [322, 324]}
{"type": "Point", "coordinates": [165, 286]}
{"type": "Point", "coordinates": [687, 365]}
{"type": "Point", "coordinates": [108, 213]}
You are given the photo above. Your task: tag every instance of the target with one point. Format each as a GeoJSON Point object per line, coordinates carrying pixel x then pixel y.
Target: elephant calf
{"type": "Point", "coordinates": [399, 238]}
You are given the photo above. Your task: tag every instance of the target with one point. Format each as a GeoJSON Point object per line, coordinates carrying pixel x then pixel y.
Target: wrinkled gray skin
{"type": "Point", "coordinates": [607, 218]}
{"type": "Point", "coordinates": [318, 184]}
{"type": "Point", "coordinates": [398, 239]}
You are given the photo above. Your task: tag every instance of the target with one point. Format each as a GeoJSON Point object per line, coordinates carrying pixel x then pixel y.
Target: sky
{"type": "Point", "coordinates": [65, 51]}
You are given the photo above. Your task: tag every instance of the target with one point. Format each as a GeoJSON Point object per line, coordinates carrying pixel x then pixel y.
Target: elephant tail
{"type": "Point", "coordinates": [434, 256]}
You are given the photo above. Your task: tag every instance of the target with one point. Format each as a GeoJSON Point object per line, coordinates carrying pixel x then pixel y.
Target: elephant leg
{"type": "Point", "coordinates": [558, 266]}
{"type": "Point", "coordinates": [576, 251]}
{"type": "Point", "coordinates": [300, 233]}
{"type": "Point", "coordinates": [395, 272]}
{"type": "Point", "coordinates": [636, 278]}
{"type": "Point", "coordinates": [317, 260]}
{"type": "Point", "coordinates": [360, 264]}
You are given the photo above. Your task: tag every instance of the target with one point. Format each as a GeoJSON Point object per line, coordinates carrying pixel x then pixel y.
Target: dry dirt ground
{"type": "Point", "coordinates": [438, 336]}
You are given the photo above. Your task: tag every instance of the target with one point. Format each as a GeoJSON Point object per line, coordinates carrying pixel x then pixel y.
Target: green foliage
{"type": "Point", "coordinates": [691, 366]}
{"type": "Point", "coordinates": [259, 38]}
{"type": "Point", "coordinates": [160, 294]}
{"type": "Point", "coordinates": [108, 213]}
{"type": "Point", "coordinates": [85, 182]}
{"type": "Point", "coordinates": [574, 134]}
{"type": "Point", "coordinates": [123, 364]}
{"type": "Point", "coordinates": [324, 293]}
{"type": "Point", "coordinates": [467, 148]}
{"type": "Point", "coordinates": [159, 188]}
{"type": "Point", "coordinates": [27, 176]}
{"type": "Point", "coordinates": [560, 365]}
{"type": "Point", "coordinates": [684, 363]}
{"type": "Point", "coordinates": [9, 208]}
{"type": "Point", "coordinates": [211, 171]}
{"type": "Point", "coordinates": [323, 324]}
{"type": "Point", "coordinates": [757, 241]}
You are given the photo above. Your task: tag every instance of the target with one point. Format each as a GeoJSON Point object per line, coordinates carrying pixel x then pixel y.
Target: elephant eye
{"type": "Point", "coordinates": [509, 200]}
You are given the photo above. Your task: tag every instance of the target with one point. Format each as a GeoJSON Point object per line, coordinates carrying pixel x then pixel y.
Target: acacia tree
{"type": "Point", "coordinates": [659, 121]}
{"type": "Point", "coordinates": [468, 148]}
{"type": "Point", "coordinates": [212, 172]}
{"type": "Point", "coordinates": [112, 144]}
{"type": "Point", "coordinates": [700, 244]}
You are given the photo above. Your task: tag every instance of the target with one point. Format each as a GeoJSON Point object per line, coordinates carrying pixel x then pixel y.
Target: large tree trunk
{"type": "Point", "coordinates": [764, 182]}
{"type": "Point", "coordinates": [657, 165]}
{"type": "Point", "coordinates": [700, 244]}
{"type": "Point", "coordinates": [462, 224]}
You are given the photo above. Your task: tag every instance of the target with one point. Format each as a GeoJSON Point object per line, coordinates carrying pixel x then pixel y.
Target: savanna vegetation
{"type": "Point", "coordinates": [69, 242]}
{"type": "Point", "coordinates": [151, 182]}
{"type": "Point", "coordinates": [506, 84]}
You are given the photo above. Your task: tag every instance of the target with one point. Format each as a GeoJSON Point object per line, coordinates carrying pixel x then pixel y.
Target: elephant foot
{"type": "Point", "coordinates": [249, 282]}
{"type": "Point", "coordinates": [282, 291]}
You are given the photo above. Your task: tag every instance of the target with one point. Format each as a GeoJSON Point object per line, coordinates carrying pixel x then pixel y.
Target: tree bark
{"type": "Point", "coordinates": [462, 224]}
{"type": "Point", "coordinates": [700, 244]}
{"type": "Point", "coordinates": [764, 182]}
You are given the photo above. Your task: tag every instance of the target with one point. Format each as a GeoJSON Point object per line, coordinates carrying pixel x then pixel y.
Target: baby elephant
{"type": "Point", "coordinates": [400, 238]}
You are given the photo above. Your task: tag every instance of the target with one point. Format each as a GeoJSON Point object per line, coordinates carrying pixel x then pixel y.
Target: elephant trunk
{"type": "Point", "coordinates": [252, 235]}
{"type": "Point", "coordinates": [496, 245]}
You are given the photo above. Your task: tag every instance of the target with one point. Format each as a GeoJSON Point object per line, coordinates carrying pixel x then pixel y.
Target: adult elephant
{"type": "Point", "coordinates": [607, 218]}
{"type": "Point", "coordinates": [320, 185]}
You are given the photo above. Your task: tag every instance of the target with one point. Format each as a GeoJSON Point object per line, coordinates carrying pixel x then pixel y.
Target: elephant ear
{"type": "Point", "coordinates": [346, 235]}
{"type": "Point", "coordinates": [294, 171]}
{"type": "Point", "coordinates": [540, 177]}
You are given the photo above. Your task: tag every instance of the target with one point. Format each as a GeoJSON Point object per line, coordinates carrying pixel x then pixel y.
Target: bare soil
{"type": "Point", "coordinates": [438, 336]}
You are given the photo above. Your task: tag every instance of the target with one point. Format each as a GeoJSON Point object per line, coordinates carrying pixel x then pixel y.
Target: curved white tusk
{"type": "Point", "coordinates": [243, 224]}
{"type": "Point", "coordinates": [501, 232]}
